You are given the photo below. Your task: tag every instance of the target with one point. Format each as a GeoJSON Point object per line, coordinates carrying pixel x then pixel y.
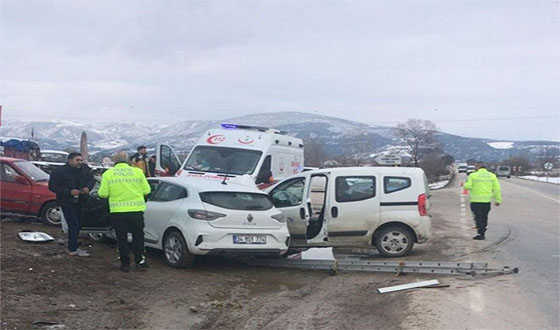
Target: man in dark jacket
{"type": "Point", "coordinates": [72, 183]}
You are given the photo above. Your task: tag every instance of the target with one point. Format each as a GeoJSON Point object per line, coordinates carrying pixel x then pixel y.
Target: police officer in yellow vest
{"type": "Point", "coordinates": [126, 186]}
{"type": "Point", "coordinates": [483, 186]}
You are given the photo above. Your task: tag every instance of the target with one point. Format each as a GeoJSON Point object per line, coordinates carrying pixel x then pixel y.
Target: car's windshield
{"type": "Point", "coordinates": [223, 160]}
{"type": "Point", "coordinates": [33, 172]}
{"type": "Point", "coordinates": [504, 168]}
{"type": "Point", "coordinates": [53, 157]}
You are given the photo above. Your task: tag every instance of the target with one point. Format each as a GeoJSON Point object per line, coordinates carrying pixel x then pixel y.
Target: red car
{"type": "Point", "coordinates": [24, 191]}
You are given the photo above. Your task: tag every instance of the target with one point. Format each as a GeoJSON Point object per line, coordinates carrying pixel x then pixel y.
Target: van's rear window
{"type": "Point", "coordinates": [395, 183]}
{"type": "Point", "coordinates": [237, 200]}
{"type": "Point", "coordinates": [504, 168]}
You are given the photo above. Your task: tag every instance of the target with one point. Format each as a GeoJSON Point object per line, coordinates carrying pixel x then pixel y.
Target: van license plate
{"type": "Point", "coordinates": [249, 239]}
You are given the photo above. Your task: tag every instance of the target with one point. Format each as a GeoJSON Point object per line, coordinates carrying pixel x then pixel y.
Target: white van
{"type": "Point", "coordinates": [384, 207]}
{"type": "Point", "coordinates": [503, 170]}
{"type": "Point", "coordinates": [234, 150]}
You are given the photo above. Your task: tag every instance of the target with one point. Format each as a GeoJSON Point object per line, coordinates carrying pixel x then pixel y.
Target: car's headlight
{"type": "Point", "coordinates": [280, 217]}
{"type": "Point", "coordinates": [205, 215]}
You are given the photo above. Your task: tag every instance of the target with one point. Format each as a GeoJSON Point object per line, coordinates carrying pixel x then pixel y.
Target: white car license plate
{"type": "Point", "coordinates": [249, 239]}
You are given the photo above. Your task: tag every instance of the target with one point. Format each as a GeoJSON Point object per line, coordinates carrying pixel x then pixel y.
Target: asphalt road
{"type": "Point", "coordinates": [532, 212]}
{"type": "Point", "coordinates": [523, 232]}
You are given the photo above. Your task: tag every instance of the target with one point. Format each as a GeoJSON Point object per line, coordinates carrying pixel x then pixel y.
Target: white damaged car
{"type": "Point", "coordinates": [186, 217]}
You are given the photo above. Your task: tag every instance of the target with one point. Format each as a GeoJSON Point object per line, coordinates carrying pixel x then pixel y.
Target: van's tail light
{"type": "Point", "coordinates": [205, 215]}
{"type": "Point", "coordinates": [422, 205]}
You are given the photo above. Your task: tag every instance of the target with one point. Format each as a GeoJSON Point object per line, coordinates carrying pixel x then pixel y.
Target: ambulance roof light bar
{"type": "Point", "coordinates": [256, 128]}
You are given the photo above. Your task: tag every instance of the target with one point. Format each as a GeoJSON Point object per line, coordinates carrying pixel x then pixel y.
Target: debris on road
{"type": "Point", "coordinates": [44, 322]}
{"type": "Point", "coordinates": [408, 286]}
{"type": "Point", "coordinates": [397, 267]}
{"type": "Point", "coordinates": [492, 272]}
{"type": "Point", "coordinates": [436, 286]}
{"type": "Point", "coordinates": [35, 237]}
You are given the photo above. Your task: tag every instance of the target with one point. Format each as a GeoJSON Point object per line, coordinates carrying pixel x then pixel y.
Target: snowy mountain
{"type": "Point", "coordinates": [337, 136]}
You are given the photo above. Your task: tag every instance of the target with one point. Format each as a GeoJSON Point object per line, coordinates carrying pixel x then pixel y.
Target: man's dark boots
{"type": "Point", "coordinates": [124, 268]}
{"type": "Point", "coordinates": [479, 237]}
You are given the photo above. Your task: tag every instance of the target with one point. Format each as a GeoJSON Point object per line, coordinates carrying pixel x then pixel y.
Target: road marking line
{"type": "Point", "coordinates": [538, 193]}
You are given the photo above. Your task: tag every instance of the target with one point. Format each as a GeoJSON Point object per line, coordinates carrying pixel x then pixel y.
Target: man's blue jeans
{"type": "Point", "coordinates": [73, 216]}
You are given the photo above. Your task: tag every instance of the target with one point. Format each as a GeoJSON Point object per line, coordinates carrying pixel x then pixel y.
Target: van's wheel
{"type": "Point", "coordinates": [509, 176]}
{"type": "Point", "coordinates": [176, 252]}
{"type": "Point", "coordinates": [394, 241]}
{"type": "Point", "coordinates": [51, 214]}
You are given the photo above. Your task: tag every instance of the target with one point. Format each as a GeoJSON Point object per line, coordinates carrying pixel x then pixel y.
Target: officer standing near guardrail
{"type": "Point", "coordinates": [483, 186]}
{"type": "Point", "coordinates": [126, 186]}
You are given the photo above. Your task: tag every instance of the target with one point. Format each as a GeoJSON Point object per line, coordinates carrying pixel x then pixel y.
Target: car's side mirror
{"type": "Point", "coordinates": [20, 179]}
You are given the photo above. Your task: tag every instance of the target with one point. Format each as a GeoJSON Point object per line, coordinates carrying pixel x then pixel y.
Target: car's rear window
{"type": "Point", "coordinates": [237, 200]}
{"type": "Point", "coordinates": [503, 168]}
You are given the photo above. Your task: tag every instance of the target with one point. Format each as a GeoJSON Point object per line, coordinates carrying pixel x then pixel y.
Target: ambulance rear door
{"type": "Point", "coordinates": [167, 162]}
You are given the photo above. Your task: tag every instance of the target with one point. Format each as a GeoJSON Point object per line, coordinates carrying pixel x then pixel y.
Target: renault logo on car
{"type": "Point", "coordinates": [249, 218]}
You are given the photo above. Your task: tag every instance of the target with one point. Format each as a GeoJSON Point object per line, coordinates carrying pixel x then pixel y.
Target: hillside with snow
{"type": "Point", "coordinates": [337, 136]}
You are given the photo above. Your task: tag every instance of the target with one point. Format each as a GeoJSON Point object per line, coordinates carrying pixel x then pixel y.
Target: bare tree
{"type": "Point", "coordinates": [434, 165]}
{"type": "Point", "coordinates": [419, 136]}
{"type": "Point", "coordinates": [520, 164]}
{"type": "Point", "coordinates": [314, 152]}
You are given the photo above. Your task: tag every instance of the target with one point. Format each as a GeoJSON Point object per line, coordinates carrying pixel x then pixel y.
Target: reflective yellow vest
{"type": "Point", "coordinates": [483, 185]}
{"type": "Point", "coordinates": [125, 186]}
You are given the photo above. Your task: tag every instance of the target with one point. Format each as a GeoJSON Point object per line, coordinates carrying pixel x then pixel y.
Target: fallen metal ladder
{"type": "Point", "coordinates": [397, 267]}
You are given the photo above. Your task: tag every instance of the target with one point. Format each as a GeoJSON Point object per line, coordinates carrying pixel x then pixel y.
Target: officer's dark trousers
{"type": "Point", "coordinates": [73, 216]}
{"type": "Point", "coordinates": [129, 222]}
{"type": "Point", "coordinates": [480, 211]}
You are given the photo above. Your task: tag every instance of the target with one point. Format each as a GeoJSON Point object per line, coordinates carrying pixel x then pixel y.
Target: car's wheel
{"type": "Point", "coordinates": [509, 176]}
{"type": "Point", "coordinates": [51, 214]}
{"type": "Point", "coordinates": [176, 252]}
{"type": "Point", "coordinates": [394, 241]}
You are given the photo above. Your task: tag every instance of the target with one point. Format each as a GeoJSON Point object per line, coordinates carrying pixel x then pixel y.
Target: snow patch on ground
{"type": "Point", "coordinates": [501, 145]}
{"type": "Point", "coordinates": [438, 185]}
{"type": "Point", "coordinates": [555, 180]}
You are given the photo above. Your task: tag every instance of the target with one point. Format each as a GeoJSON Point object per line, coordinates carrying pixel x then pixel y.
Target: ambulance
{"type": "Point", "coordinates": [265, 154]}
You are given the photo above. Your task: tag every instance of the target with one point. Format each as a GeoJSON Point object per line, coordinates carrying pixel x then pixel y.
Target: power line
{"type": "Point", "coordinates": [476, 119]}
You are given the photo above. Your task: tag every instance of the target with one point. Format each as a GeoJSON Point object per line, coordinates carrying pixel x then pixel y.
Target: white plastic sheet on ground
{"type": "Point", "coordinates": [318, 254]}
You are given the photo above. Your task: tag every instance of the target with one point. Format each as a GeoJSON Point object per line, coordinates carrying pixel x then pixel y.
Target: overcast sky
{"type": "Point", "coordinates": [466, 65]}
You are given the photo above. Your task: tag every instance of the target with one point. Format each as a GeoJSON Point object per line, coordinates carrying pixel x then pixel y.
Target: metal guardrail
{"type": "Point", "coordinates": [396, 267]}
